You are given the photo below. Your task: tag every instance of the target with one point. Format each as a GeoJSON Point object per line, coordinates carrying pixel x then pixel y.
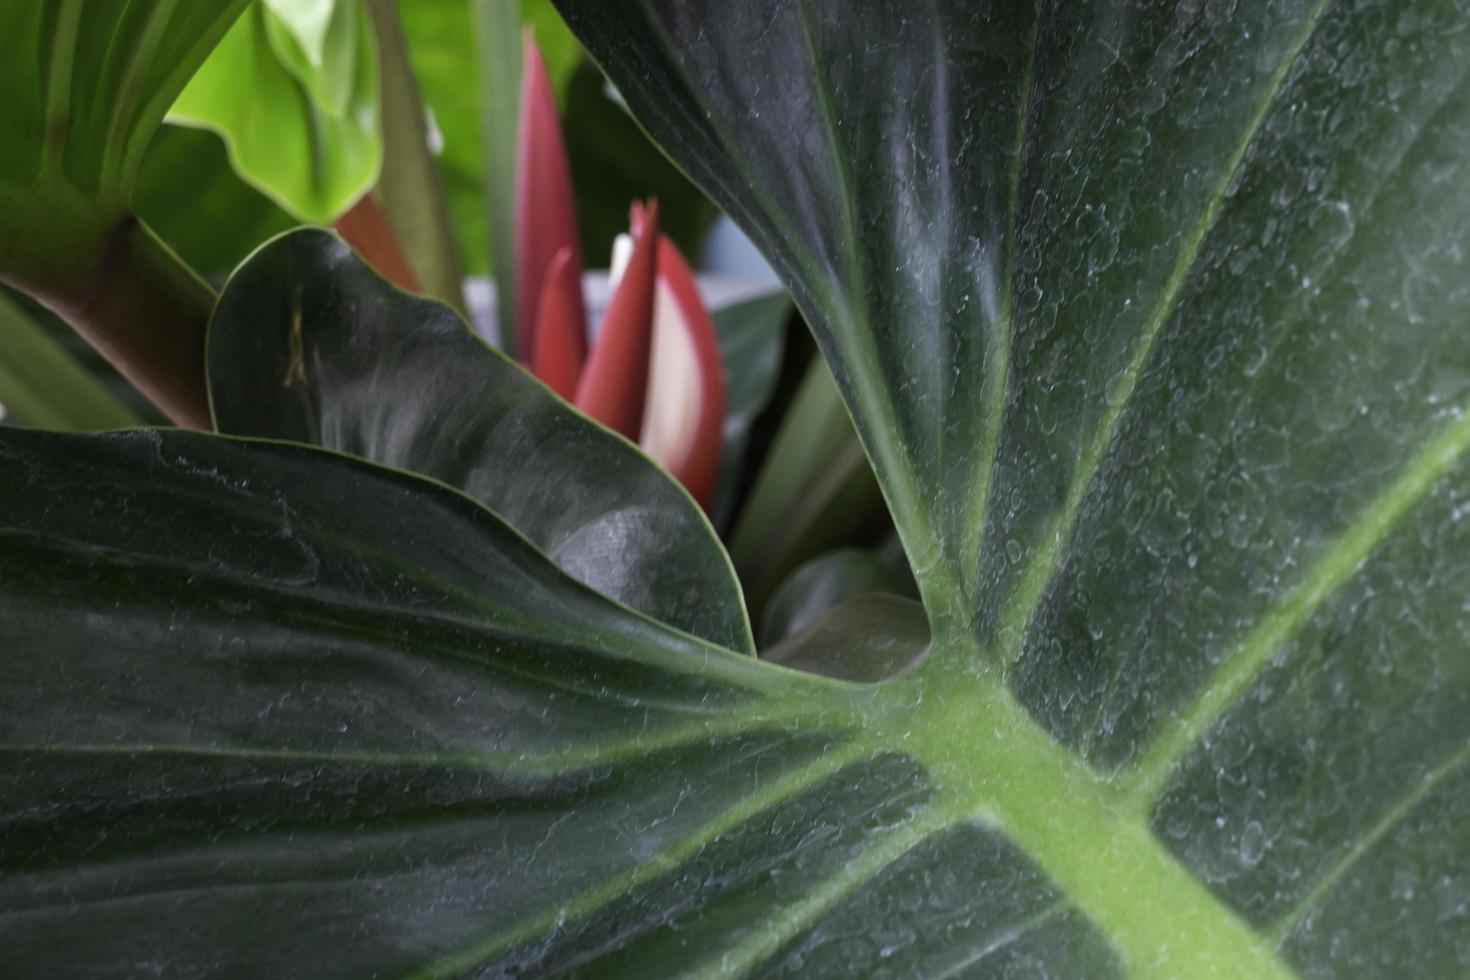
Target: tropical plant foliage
{"type": "Point", "coordinates": [1150, 318]}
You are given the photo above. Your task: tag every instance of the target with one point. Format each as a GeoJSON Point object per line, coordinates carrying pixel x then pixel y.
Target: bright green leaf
{"type": "Point", "coordinates": [317, 42]}
{"type": "Point", "coordinates": [309, 344]}
{"type": "Point", "coordinates": [308, 23]}
{"type": "Point", "coordinates": [312, 146]}
{"type": "Point", "coordinates": [221, 220]}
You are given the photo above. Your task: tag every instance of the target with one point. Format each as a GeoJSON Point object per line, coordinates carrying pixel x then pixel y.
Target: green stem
{"type": "Point", "coordinates": [498, 49]}
{"type": "Point", "coordinates": [139, 305]}
{"type": "Point", "coordinates": [44, 387]}
{"type": "Point", "coordinates": [411, 186]}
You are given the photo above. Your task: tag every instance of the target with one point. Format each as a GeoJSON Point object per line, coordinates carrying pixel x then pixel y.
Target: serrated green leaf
{"type": "Point", "coordinates": [309, 344]}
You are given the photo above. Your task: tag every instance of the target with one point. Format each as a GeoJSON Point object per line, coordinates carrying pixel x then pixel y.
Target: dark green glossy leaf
{"type": "Point", "coordinates": [826, 581]}
{"type": "Point", "coordinates": [392, 736]}
{"type": "Point", "coordinates": [1152, 319]}
{"type": "Point", "coordinates": [350, 727]}
{"type": "Point", "coordinates": [308, 344]}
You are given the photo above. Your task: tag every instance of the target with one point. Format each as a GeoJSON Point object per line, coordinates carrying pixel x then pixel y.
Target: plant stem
{"type": "Point", "coordinates": [43, 386]}
{"type": "Point", "coordinates": [498, 49]}
{"type": "Point", "coordinates": [411, 186]}
{"type": "Point", "coordinates": [143, 309]}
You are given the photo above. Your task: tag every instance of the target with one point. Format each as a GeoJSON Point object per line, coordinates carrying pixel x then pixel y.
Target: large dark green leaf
{"type": "Point", "coordinates": [309, 344]}
{"type": "Point", "coordinates": [1152, 318]}
{"type": "Point", "coordinates": [353, 727]}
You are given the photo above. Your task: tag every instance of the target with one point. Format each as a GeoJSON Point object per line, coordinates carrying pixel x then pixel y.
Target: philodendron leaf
{"type": "Point", "coordinates": [1152, 318]}
{"type": "Point", "coordinates": [270, 711]}
{"type": "Point", "coordinates": [309, 344]}
{"type": "Point", "coordinates": [299, 119]}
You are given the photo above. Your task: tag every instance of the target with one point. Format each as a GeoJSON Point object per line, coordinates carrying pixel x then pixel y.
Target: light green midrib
{"type": "Point", "coordinates": [1148, 776]}
{"type": "Point", "coordinates": [527, 762]}
{"type": "Point", "coordinates": [1008, 774]}
{"type": "Point", "coordinates": [1019, 610]}
{"type": "Point", "coordinates": [1014, 777]}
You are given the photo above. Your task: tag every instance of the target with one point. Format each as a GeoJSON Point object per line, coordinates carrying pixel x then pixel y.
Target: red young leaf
{"type": "Point", "coordinates": [560, 338]}
{"type": "Point", "coordinates": [365, 227]}
{"type": "Point", "coordinates": [546, 221]}
{"type": "Point", "coordinates": [615, 380]}
{"type": "Point", "coordinates": [684, 418]}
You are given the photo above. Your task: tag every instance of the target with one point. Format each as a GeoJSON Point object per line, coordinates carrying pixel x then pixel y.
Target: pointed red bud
{"type": "Point", "coordinates": [560, 339]}
{"type": "Point", "coordinates": [614, 382]}
{"type": "Point", "coordinates": [365, 227]}
{"type": "Point", "coordinates": [684, 417]}
{"type": "Point", "coordinates": [545, 216]}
